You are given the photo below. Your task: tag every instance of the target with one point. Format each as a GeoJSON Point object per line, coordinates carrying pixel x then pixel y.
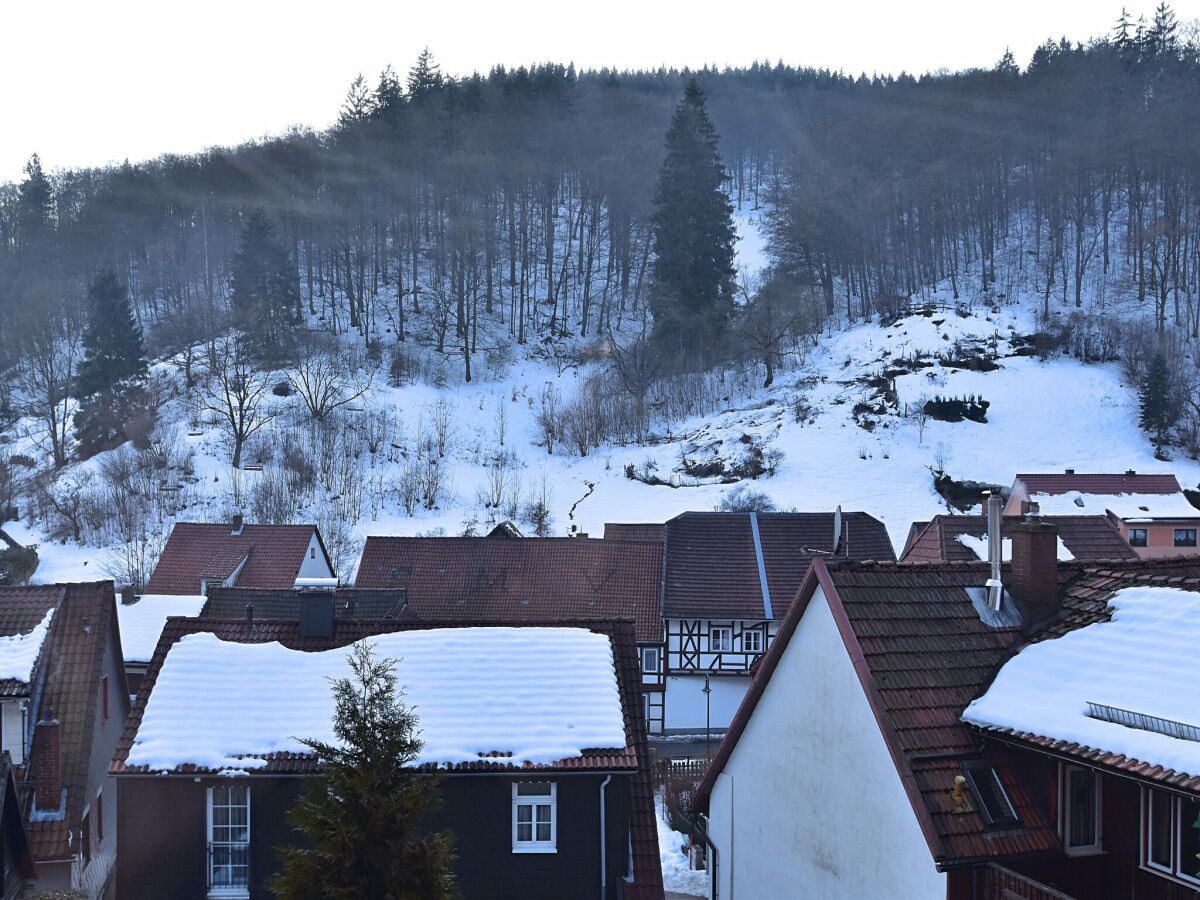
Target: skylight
{"type": "Point", "coordinates": [990, 797]}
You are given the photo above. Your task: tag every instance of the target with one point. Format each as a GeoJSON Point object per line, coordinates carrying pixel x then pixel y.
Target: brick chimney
{"type": "Point", "coordinates": [1034, 578]}
{"type": "Point", "coordinates": [235, 523]}
{"type": "Point", "coordinates": [128, 594]}
{"type": "Point", "coordinates": [47, 766]}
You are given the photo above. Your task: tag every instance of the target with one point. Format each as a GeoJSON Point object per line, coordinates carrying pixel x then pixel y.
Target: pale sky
{"type": "Point", "coordinates": [86, 83]}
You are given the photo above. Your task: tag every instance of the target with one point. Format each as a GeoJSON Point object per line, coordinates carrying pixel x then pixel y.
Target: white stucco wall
{"type": "Point", "coordinates": [314, 565]}
{"type": "Point", "coordinates": [685, 702]}
{"type": "Point", "coordinates": [810, 804]}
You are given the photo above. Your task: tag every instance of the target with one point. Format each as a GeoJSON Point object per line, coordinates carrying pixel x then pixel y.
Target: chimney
{"type": "Point", "coordinates": [1129, 473]}
{"type": "Point", "coordinates": [1035, 563]}
{"type": "Point", "coordinates": [995, 592]}
{"type": "Point", "coordinates": [236, 523]}
{"type": "Point", "coordinates": [249, 612]}
{"type": "Point", "coordinates": [47, 767]}
{"type": "Point", "coordinates": [128, 594]}
{"type": "Point", "coordinates": [1070, 471]}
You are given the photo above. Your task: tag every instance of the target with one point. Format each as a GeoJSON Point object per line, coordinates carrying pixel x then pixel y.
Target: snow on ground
{"type": "Point", "coordinates": [475, 691]}
{"type": "Point", "coordinates": [142, 622]}
{"type": "Point", "coordinates": [19, 652]}
{"type": "Point", "coordinates": [1044, 416]}
{"type": "Point", "coordinates": [677, 877]}
{"type": "Point", "coordinates": [978, 544]}
{"type": "Point", "coordinates": [1132, 662]}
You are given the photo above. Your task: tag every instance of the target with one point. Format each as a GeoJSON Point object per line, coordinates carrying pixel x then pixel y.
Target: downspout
{"type": "Point", "coordinates": [603, 843]}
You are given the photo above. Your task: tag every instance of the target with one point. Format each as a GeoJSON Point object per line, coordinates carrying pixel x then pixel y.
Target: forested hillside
{"type": "Point", "coordinates": [521, 226]}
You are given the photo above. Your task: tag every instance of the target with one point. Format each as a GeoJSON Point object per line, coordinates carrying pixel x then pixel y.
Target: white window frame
{"type": "Point", "coordinates": [234, 892]}
{"type": "Point", "coordinates": [758, 640]}
{"type": "Point", "coordinates": [724, 646]}
{"type": "Point", "coordinates": [1171, 872]}
{"type": "Point", "coordinates": [534, 801]}
{"type": "Point", "coordinates": [1064, 812]}
{"type": "Point", "coordinates": [651, 670]}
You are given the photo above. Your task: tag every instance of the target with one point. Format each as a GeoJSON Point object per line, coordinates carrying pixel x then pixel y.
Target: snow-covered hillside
{"type": "Point", "coordinates": [841, 442]}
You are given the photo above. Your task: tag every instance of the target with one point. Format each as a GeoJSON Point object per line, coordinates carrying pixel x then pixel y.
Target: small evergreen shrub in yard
{"type": "Point", "coordinates": [956, 409]}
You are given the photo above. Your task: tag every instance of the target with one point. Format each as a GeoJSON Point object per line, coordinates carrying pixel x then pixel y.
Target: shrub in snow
{"type": "Point", "coordinates": [956, 409]}
{"type": "Point", "coordinates": [743, 499]}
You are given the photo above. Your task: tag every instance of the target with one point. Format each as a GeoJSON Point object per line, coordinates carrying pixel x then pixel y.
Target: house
{"type": "Point", "coordinates": [1151, 510]}
{"type": "Point", "coordinates": [141, 620]}
{"type": "Point", "coordinates": [527, 581]}
{"type": "Point", "coordinates": [239, 554]}
{"type": "Point", "coordinates": [63, 700]}
{"type": "Point", "coordinates": [16, 862]}
{"type": "Point", "coordinates": [546, 770]}
{"type": "Point", "coordinates": [729, 579]}
{"type": "Point", "coordinates": [865, 731]}
{"type": "Point", "coordinates": [964, 538]}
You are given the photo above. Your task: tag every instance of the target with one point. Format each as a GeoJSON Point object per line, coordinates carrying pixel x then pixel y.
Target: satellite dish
{"type": "Point", "coordinates": [837, 530]}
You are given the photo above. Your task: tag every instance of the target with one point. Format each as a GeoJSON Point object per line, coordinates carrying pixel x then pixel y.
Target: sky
{"type": "Point", "coordinates": [86, 83]}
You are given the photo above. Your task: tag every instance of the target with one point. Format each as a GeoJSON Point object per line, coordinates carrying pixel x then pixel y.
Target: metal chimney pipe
{"type": "Point", "coordinates": [995, 550]}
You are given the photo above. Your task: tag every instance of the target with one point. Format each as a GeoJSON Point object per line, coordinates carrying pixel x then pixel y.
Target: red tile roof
{"type": "Point", "coordinates": [635, 757]}
{"type": "Point", "coordinates": [519, 581]}
{"type": "Point", "coordinates": [196, 551]}
{"type": "Point", "coordinates": [1126, 483]}
{"type": "Point", "coordinates": [22, 608]}
{"type": "Point", "coordinates": [84, 628]}
{"type": "Point", "coordinates": [1087, 537]}
{"type": "Point", "coordinates": [649, 532]}
{"type": "Point", "coordinates": [712, 566]}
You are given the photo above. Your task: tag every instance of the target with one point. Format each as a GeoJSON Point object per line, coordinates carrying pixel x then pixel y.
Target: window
{"type": "Point", "coordinates": [229, 841]}
{"type": "Point", "coordinates": [99, 807]}
{"type": "Point", "coordinates": [1171, 835]}
{"type": "Point", "coordinates": [720, 639]}
{"type": "Point", "coordinates": [1137, 537]}
{"type": "Point", "coordinates": [312, 552]}
{"type": "Point", "coordinates": [752, 641]}
{"type": "Point", "coordinates": [650, 660]}
{"type": "Point", "coordinates": [86, 842]}
{"type": "Point", "coordinates": [533, 817]}
{"type": "Point", "coordinates": [104, 699]}
{"type": "Point", "coordinates": [1185, 537]}
{"type": "Point", "coordinates": [1079, 812]}
{"type": "Point", "coordinates": [990, 795]}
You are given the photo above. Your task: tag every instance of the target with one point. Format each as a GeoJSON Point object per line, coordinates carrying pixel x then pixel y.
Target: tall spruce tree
{"type": "Point", "coordinates": [265, 290]}
{"type": "Point", "coordinates": [692, 287]}
{"type": "Point", "coordinates": [1155, 399]}
{"type": "Point", "coordinates": [110, 383]}
{"type": "Point", "coordinates": [362, 816]}
{"type": "Point", "coordinates": [424, 78]}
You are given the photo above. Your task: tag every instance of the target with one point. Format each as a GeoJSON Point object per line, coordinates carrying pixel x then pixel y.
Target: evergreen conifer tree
{"type": "Point", "coordinates": [265, 290]}
{"type": "Point", "coordinates": [424, 78]}
{"type": "Point", "coordinates": [361, 815]}
{"type": "Point", "coordinates": [692, 286]}
{"type": "Point", "coordinates": [1155, 400]}
{"type": "Point", "coordinates": [35, 200]}
{"type": "Point", "coordinates": [110, 383]}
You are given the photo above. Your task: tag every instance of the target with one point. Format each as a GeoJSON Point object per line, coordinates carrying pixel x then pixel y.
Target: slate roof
{"type": "Point", "coordinates": [198, 550]}
{"type": "Point", "coordinates": [519, 581]}
{"type": "Point", "coordinates": [1085, 483]}
{"type": "Point", "coordinates": [348, 603]}
{"type": "Point", "coordinates": [74, 662]}
{"type": "Point", "coordinates": [712, 566]}
{"type": "Point", "coordinates": [634, 757]}
{"type": "Point", "coordinates": [1087, 537]}
{"type": "Point", "coordinates": [22, 608]}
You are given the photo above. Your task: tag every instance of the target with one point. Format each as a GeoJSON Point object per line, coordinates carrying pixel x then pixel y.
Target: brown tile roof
{"type": "Point", "coordinates": [80, 634]}
{"type": "Point", "coordinates": [348, 603]}
{"type": "Point", "coordinates": [712, 566]}
{"type": "Point", "coordinates": [198, 550]}
{"type": "Point", "coordinates": [635, 757]}
{"type": "Point", "coordinates": [22, 608]}
{"type": "Point", "coordinates": [1085, 483]}
{"type": "Point", "coordinates": [647, 532]}
{"type": "Point", "coordinates": [922, 655]}
{"type": "Point", "coordinates": [519, 581]}
{"type": "Point", "coordinates": [1087, 537]}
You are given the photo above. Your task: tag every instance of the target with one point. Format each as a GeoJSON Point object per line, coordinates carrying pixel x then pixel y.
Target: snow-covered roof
{"type": "Point", "coordinates": [19, 652]}
{"type": "Point", "coordinates": [1137, 662]}
{"type": "Point", "coordinates": [142, 622]}
{"type": "Point", "coordinates": [978, 543]}
{"type": "Point", "coordinates": [1129, 507]}
{"type": "Point", "coordinates": [543, 695]}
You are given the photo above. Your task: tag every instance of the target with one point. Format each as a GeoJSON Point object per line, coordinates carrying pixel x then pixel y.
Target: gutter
{"type": "Point", "coordinates": [603, 843]}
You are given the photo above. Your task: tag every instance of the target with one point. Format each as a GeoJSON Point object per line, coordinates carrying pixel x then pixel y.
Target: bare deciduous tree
{"type": "Point", "coordinates": [325, 384]}
{"type": "Point", "coordinates": [46, 379]}
{"type": "Point", "coordinates": [235, 393]}
{"type": "Point", "coordinates": [636, 366]}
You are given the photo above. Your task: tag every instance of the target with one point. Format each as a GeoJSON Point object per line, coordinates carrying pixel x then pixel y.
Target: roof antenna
{"type": "Point", "coordinates": [837, 530]}
{"type": "Point", "coordinates": [995, 587]}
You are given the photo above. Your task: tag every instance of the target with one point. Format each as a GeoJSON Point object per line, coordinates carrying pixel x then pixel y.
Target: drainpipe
{"type": "Point", "coordinates": [603, 843]}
